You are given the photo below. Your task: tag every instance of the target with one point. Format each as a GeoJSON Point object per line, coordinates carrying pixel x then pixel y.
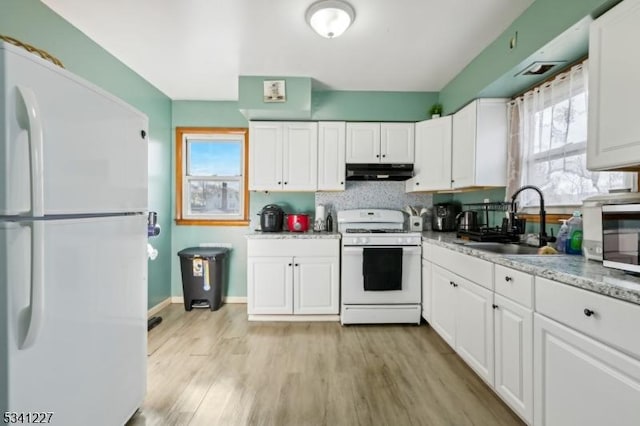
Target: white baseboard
{"type": "Point", "coordinates": [160, 306]}
{"type": "Point", "coordinates": [229, 299]}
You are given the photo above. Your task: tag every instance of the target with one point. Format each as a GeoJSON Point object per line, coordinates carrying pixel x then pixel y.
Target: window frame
{"type": "Point", "coordinates": [559, 211]}
{"type": "Point", "coordinates": [180, 174]}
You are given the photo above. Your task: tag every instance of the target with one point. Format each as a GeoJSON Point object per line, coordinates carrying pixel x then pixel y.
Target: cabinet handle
{"type": "Point", "coordinates": [495, 306]}
{"type": "Point", "coordinates": [417, 183]}
{"type": "Point", "coordinates": [297, 264]}
{"type": "Point", "coordinates": [588, 312]}
{"type": "Point", "coordinates": [279, 182]}
{"type": "Point", "coordinates": [453, 284]}
{"type": "Point", "coordinates": [450, 282]}
{"type": "Point", "coordinates": [508, 278]}
{"type": "Point", "coordinates": [290, 264]}
{"type": "Point", "coordinates": [377, 155]}
{"type": "Point", "coordinates": [286, 183]}
{"type": "Point", "coordinates": [452, 180]}
{"type": "Point", "coordinates": [341, 183]}
{"type": "Point", "coordinates": [384, 156]}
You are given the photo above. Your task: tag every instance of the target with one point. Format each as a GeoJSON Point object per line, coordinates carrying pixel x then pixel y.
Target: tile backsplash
{"type": "Point", "coordinates": [372, 194]}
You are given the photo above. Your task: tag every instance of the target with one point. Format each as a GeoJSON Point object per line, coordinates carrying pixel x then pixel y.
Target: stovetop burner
{"type": "Point", "coordinates": [374, 231]}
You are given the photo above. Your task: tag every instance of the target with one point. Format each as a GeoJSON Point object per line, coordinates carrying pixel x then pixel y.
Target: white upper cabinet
{"type": "Point", "coordinates": [479, 144]}
{"type": "Point", "coordinates": [283, 156]}
{"type": "Point", "coordinates": [380, 143]}
{"type": "Point", "coordinates": [300, 157]}
{"type": "Point", "coordinates": [614, 89]}
{"type": "Point", "coordinates": [331, 155]}
{"type": "Point", "coordinates": [265, 152]}
{"type": "Point", "coordinates": [432, 167]}
{"type": "Point", "coordinates": [363, 142]}
{"type": "Point", "coordinates": [397, 142]}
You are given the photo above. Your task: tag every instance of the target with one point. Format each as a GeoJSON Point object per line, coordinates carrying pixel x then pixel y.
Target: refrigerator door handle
{"type": "Point", "coordinates": [35, 150]}
{"type": "Point", "coordinates": [37, 285]}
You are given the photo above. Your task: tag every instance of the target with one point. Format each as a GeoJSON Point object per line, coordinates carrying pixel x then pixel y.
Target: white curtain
{"type": "Point", "coordinates": [548, 140]}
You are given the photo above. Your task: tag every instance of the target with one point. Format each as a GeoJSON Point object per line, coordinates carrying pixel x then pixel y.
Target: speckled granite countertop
{"type": "Point", "coordinates": [567, 269]}
{"type": "Point", "coordinates": [293, 235]}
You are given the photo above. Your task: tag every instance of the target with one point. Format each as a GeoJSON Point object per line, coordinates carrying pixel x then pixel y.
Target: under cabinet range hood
{"type": "Point", "coordinates": [379, 171]}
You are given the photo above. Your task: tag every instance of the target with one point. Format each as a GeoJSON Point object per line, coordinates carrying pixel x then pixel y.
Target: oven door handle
{"type": "Point", "coordinates": [405, 249]}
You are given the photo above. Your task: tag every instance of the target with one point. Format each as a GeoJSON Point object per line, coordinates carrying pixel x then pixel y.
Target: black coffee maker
{"type": "Point", "coordinates": [444, 215]}
{"type": "Point", "coordinates": [271, 218]}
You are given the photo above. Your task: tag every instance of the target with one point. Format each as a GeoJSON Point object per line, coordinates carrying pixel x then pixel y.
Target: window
{"type": "Point", "coordinates": [211, 177]}
{"type": "Point", "coordinates": [549, 142]}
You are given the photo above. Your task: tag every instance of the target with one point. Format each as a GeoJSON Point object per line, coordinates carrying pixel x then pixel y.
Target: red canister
{"type": "Point", "coordinates": [298, 222]}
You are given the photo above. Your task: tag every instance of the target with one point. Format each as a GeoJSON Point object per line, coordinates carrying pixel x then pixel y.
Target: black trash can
{"type": "Point", "coordinates": [204, 273]}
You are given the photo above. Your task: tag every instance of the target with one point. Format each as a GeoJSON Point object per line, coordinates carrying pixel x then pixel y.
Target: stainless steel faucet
{"type": "Point", "coordinates": [542, 236]}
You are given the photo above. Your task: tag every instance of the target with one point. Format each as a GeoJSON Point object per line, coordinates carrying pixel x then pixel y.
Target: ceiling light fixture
{"type": "Point", "coordinates": [330, 18]}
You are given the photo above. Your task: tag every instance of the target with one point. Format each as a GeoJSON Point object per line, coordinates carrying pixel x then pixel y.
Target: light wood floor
{"type": "Point", "coordinates": [216, 368]}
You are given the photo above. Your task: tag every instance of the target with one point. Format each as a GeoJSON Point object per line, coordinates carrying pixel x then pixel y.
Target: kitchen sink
{"type": "Point", "coordinates": [502, 248]}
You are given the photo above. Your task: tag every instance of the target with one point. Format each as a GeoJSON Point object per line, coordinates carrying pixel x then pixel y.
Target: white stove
{"type": "Point", "coordinates": [381, 268]}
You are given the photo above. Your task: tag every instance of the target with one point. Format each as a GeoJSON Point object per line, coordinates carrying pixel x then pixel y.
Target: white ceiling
{"type": "Point", "coordinates": [196, 49]}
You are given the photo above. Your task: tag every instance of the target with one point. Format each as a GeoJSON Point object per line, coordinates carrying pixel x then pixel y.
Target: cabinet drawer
{"type": "Point", "coordinates": [515, 285]}
{"type": "Point", "coordinates": [293, 247]}
{"type": "Point", "coordinates": [610, 320]}
{"type": "Point", "coordinates": [477, 270]}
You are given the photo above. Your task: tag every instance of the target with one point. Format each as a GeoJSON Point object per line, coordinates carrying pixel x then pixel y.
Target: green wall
{"type": "Point", "coordinates": [372, 106]}
{"type": "Point", "coordinates": [541, 23]}
{"type": "Point", "coordinates": [34, 23]}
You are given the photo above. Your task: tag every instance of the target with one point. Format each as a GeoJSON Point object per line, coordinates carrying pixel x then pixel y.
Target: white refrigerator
{"type": "Point", "coordinates": [73, 268]}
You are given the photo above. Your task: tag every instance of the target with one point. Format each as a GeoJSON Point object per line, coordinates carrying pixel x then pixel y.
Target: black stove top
{"type": "Point", "coordinates": [374, 231]}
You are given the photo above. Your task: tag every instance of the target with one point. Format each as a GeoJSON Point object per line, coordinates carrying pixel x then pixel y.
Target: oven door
{"type": "Point", "coordinates": [353, 284]}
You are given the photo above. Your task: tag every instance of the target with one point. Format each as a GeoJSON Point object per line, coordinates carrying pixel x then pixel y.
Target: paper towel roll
{"type": "Point", "coordinates": [320, 213]}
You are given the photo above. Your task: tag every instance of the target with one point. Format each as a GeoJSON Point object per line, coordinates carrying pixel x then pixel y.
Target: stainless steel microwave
{"type": "Point", "coordinates": [621, 236]}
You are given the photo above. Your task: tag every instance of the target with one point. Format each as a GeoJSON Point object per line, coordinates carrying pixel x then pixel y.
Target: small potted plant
{"type": "Point", "coordinates": [435, 110]}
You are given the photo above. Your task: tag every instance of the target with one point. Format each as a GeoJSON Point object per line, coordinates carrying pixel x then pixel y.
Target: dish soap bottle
{"type": "Point", "coordinates": [561, 242]}
{"type": "Point", "coordinates": [574, 238]}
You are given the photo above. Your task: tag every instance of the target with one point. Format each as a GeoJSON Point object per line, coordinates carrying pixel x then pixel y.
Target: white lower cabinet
{"type": "Point", "coordinates": [293, 277]}
{"type": "Point", "coordinates": [270, 285]}
{"type": "Point", "coordinates": [575, 360]}
{"type": "Point", "coordinates": [315, 285]}
{"type": "Point", "coordinates": [443, 304]}
{"type": "Point", "coordinates": [514, 355]}
{"type": "Point", "coordinates": [426, 290]}
{"type": "Point", "coordinates": [462, 313]}
{"type": "Point", "coordinates": [580, 381]}
{"type": "Point", "coordinates": [474, 327]}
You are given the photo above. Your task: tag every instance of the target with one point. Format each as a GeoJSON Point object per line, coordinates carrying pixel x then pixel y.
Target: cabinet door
{"type": "Point", "coordinates": [316, 285]}
{"type": "Point", "coordinates": [614, 89]}
{"type": "Point", "coordinates": [514, 355]}
{"type": "Point", "coordinates": [265, 152]}
{"type": "Point", "coordinates": [432, 167]}
{"type": "Point", "coordinates": [269, 285]}
{"type": "Point", "coordinates": [474, 327]}
{"type": "Point", "coordinates": [363, 143]}
{"type": "Point", "coordinates": [443, 304]}
{"type": "Point", "coordinates": [580, 381]}
{"type": "Point", "coordinates": [397, 142]}
{"type": "Point", "coordinates": [426, 290]}
{"type": "Point", "coordinates": [300, 160]}
{"type": "Point", "coordinates": [331, 153]}
{"type": "Point", "coordinates": [464, 147]}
